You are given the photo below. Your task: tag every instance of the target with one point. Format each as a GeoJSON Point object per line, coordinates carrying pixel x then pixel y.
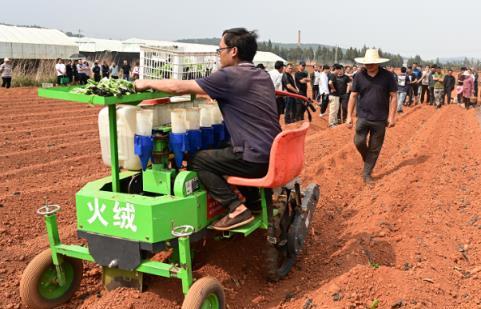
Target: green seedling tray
{"type": "Point", "coordinates": [63, 93]}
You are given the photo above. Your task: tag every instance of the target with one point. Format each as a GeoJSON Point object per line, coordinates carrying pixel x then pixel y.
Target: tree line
{"type": "Point", "coordinates": [330, 54]}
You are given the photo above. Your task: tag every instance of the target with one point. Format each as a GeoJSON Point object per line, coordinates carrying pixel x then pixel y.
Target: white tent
{"type": "Point", "coordinates": [97, 45]}
{"type": "Point", "coordinates": [35, 43]}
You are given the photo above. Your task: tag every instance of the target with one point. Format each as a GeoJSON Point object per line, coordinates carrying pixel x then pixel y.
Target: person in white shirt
{"type": "Point", "coordinates": [315, 75]}
{"type": "Point", "coordinates": [324, 88]}
{"type": "Point", "coordinates": [61, 71]}
{"type": "Point", "coordinates": [276, 76]}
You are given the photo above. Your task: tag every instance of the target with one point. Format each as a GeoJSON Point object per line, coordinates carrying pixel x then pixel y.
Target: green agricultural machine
{"type": "Point", "coordinates": [130, 216]}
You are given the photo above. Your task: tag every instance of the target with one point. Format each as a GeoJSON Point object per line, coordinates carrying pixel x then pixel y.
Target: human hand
{"type": "Point", "coordinates": [348, 122]}
{"type": "Point", "coordinates": [141, 85]}
{"type": "Point", "coordinates": [391, 122]}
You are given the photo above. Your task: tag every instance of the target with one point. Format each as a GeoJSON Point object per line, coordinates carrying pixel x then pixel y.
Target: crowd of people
{"type": "Point", "coordinates": [79, 71]}
{"type": "Point", "coordinates": [435, 86]}
{"type": "Point", "coordinates": [331, 87]}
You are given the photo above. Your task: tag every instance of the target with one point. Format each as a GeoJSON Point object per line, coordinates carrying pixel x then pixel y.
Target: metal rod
{"type": "Point", "coordinates": [114, 153]}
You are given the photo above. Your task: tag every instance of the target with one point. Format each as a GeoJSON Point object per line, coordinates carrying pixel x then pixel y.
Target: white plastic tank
{"type": "Point", "coordinates": [145, 121]}
{"type": "Point", "coordinates": [193, 118]}
{"type": "Point", "coordinates": [206, 116]}
{"type": "Point", "coordinates": [178, 120]}
{"type": "Point", "coordinates": [126, 128]}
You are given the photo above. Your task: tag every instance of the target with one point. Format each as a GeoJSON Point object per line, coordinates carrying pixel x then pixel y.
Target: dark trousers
{"type": "Point", "coordinates": [300, 110]}
{"type": "Point", "coordinates": [424, 94]}
{"type": "Point", "coordinates": [315, 91]}
{"type": "Point", "coordinates": [343, 101]}
{"type": "Point", "coordinates": [281, 105]}
{"type": "Point", "coordinates": [447, 94]}
{"type": "Point", "coordinates": [324, 103]}
{"type": "Point", "coordinates": [290, 112]}
{"type": "Point", "coordinates": [369, 149]}
{"type": "Point", "coordinates": [431, 95]}
{"type": "Point", "coordinates": [213, 164]}
{"type": "Point", "coordinates": [6, 82]}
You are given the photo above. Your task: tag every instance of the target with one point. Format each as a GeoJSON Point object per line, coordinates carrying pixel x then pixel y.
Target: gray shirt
{"type": "Point", "coordinates": [248, 104]}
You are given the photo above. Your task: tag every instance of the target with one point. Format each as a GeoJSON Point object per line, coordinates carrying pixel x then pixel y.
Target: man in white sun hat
{"type": "Point", "coordinates": [374, 91]}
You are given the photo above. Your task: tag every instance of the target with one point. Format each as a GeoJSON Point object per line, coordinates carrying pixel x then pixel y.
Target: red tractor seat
{"type": "Point", "coordinates": [285, 163]}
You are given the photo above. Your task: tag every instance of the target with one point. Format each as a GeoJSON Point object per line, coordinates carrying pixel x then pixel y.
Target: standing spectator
{"type": "Point", "coordinates": [315, 82]}
{"type": "Point", "coordinates": [81, 75]}
{"type": "Point", "coordinates": [114, 71]}
{"type": "Point", "coordinates": [289, 85]}
{"type": "Point", "coordinates": [302, 78]}
{"type": "Point", "coordinates": [324, 89]}
{"type": "Point", "coordinates": [86, 69]}
{"type": "Point", "coordinates": [69, 71]}
{"type": "Point", "coordinates": [339, 92]}
{"type": "Point", "coordinates": [449, 83]}
{"type": "Point", "coordinates": [417, 82]}
{"type": "Point", "coordinates": [126, 70]}
{"type": "Point", "coordinates": [468, 89]}
{"type": "Point", "coordinates": [6, 72]}
{"type": "Point", "coordinates": [459, 85]}
{"type": "Point", "coordinates": [96, 71]}
{"type": "Point", "coordinates": [438, 79]}
{"type": "Point", "coordinates": [425, 85]}
{"type": "Point", "coordinates": [476, 81]}
{"type": "Point", "coordinates": [376, 109]}
{"type": "Point", "coordinates": [60, 69]}
{"type": "Point", "coordinates": [75, 76]}
{"type": "Point", "coordinates": [402, 89]}
{"type": "Point", "coordinates": [136, 71]}
{"type": "Point", "coordinates": [411, 86]}
{"type": "Point", "coordinates": [431, 84]}
{"type": "Point", "coordinates": [276, 77]}
{"type": "Point", "coordinates": [105, 69]}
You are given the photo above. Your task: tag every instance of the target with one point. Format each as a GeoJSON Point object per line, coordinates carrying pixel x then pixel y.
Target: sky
{"type": "Point", "coordinates": [429, 28]}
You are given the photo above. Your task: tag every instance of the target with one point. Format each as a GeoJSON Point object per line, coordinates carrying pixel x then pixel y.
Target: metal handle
{"type": "Point", "coordinates": [183, 230]}
{"type": "Point", "coordinates": [48, 210]}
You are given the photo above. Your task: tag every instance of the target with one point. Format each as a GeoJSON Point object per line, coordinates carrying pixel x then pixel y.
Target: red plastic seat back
{"type": "Point", "coordinates": [287, 156]}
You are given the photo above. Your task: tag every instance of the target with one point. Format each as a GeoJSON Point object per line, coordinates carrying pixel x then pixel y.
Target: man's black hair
{"type": "Point", "coordinates": [337, 66]}
{"type": "Point", "coordinates": [410, 67]}
{"type": "Point", "coordinates": [244, 40]}
{"type": "Point", "coordinates": [403, 70]}
{"type": "Point", "coordinates": [325, 67]}
{"type": "Point", "coordinates": [279, 64]}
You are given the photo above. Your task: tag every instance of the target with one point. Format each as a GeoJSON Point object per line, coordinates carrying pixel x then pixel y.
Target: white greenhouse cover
{"type": "Point", "coordinates": [133, 46]}
{"type": "Point", "coordinates": [35, 43]}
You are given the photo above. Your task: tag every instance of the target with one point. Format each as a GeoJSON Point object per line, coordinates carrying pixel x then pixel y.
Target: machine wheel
{"type": "Point", "coordinates": [278, 262]}
{"type": "Point", "coordinates": [39, 287]}
{"type": "Point", "coordinates": [205, 293]}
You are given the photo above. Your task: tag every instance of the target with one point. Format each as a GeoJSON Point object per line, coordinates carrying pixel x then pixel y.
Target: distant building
{"type": "Point", "coordinates": [35, 43]}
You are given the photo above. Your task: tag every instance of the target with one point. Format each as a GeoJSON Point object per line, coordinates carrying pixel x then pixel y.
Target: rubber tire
{"type": "Point", "coordinates": [200, 290]}
{"type": "Point", "coordinates": [30, 279]}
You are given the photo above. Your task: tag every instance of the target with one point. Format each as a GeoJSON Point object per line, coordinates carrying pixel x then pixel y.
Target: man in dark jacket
{"type": "Point", "coordinates": [449, 82]}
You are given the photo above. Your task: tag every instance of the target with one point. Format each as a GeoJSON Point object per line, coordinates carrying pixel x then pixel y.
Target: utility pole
{"type": "Point", "coordinates": [298, 38]}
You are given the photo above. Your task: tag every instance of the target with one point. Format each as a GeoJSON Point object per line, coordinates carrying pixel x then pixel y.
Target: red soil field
{"type": "Point", "coordinates": [411, 240]}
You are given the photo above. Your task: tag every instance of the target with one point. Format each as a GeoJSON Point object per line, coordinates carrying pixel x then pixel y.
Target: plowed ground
{"type": "Point", "coordinates": [411, 240]}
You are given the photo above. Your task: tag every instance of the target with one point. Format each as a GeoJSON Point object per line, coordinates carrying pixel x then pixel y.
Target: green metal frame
{"type": "Point", "coordinates": [182, 268]}
{"type": "Point", "coordinates": [183, 271]}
